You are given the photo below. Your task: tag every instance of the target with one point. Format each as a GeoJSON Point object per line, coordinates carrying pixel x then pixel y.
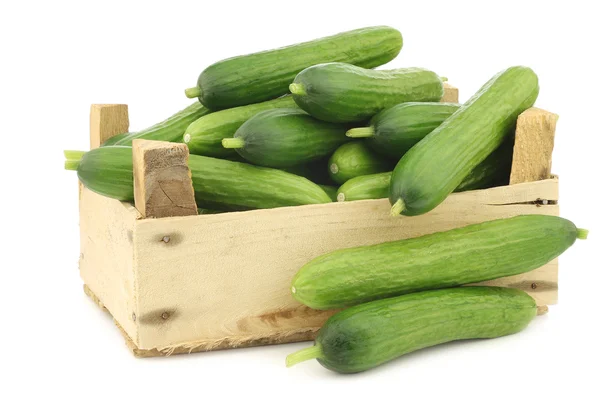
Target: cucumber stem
{"type": "Point", "coordinates": [233, 143]}
{"type": "Point", "coordinates": [298, 89]}
{"type": "Point", "coordinates": [334, 168]}
{"type": "Point", "coordinates": [363, 132]}
{"type": "Point", "coordinates": [75, 155]}
{"type": "Point", "coordinates": [398, 207]}
{"type": "Point", "coordinates": [186, 138]}
{"type": "Point", "coordinates": [341, 197]}
{"type": "Point", "coordinates": [582, 234]}
{"type": "Point", "coordinates": [303, 355]}
{"type": "Point", "coordinates": [444, 79]}
{"type": "Point", "coordinates": [193, 92]}
{"type": "Point", "coordinates": [71, 165]}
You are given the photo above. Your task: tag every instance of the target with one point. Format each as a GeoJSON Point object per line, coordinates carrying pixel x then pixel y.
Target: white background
{"type": "Point", "coordinates": [58, 57]}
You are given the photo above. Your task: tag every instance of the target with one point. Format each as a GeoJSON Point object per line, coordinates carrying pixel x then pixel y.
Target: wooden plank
{"type": "Point", "coordinates": [450, 94]}
{"type": "Point", "coordinates": [106, 262]}
{"type": "Point", "coordinates": [106, 121]}
{"type": "Point", "coordinates": [162, 179]}
{"type": "Point", "coordinates": [226, 277]}
{"type": "Point", "coordinates": [534, 142]}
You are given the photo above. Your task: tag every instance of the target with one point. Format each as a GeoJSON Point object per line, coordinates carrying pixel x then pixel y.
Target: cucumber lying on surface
{"type": "Point", "coordinates": [285, 137]}
{"type": "Point", "coordinates": [393, 131]}
{"type": "Point", "coordinates": [435, 166]}
{"type": "Point", "coordinates": [355, 159]}
{"type": "Point", "coordinates": [169, 130]}
{"type": "Point", "coordinates": [204, 136]}
{"type": "Point", "coordinates": [493, 171]}
{"type": "Point", "coordinates": [218, 184]}
{"type": "Point", "coordinates": [471, 254]}
{"type": "Point", "coordinates": [257, 77]}
{"type": "Point", "coordinates": [338, 92]}
{"type": "Point", "coordinates": [367, 335]}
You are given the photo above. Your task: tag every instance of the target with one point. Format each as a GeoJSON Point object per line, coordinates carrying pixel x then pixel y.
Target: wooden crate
{"type": "Point", "coordinates": [201, 282]}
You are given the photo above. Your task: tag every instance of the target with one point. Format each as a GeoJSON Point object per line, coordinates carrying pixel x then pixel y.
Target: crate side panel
{"type": "Point", "coordinates": [226, 277]}
{"type": "Point", "coordinates": [106, 259]}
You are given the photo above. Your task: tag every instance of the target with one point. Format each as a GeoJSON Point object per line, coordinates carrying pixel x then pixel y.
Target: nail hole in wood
{"type": "Point", "coordinates": [133, 317]}
{"type": "Point", "coordinates": [165, 315]}
{"type": "Point", "coordinates": [166, 239]}
{"type": "Point", "coordinates": [534, 286]}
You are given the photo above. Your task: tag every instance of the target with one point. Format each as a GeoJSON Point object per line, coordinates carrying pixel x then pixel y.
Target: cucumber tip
{"type": "Point", "coordinates": [341, 197]}
{"type": "Point", "coordinates": [582, 233]}
{"type": "Point", "coordinates": [397, 208]}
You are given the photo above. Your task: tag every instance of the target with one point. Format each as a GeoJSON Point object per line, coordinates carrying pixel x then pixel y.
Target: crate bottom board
{"type": "Point", "coordinates": [300, 335]}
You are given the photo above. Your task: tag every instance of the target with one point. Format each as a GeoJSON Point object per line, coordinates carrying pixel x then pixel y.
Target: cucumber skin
{"type": "Point", "coordinates": [355, 159]}
{"type": "Point", "coordinates": [342, 93]}
{"type": "Point", "coordinates": [218, 184]}
{"type": "Point", "coordinates": [471, 254]}
{"type": "Point", "coordinates": [330, 190]}
{"type": "Point", "coordinates": [435, 166]}
{"type": "Point", "coordinates": [258, 77]}
{"type": "Point", "coordinates": [315, 171]}
{"type": "Point", "coordinates": [368, 335]}
{"type": "Point", "coordinates": [206, 133]}
{"type": "Point", "coordinates": [286, 137]}
{"type": "Point", "coordinates": [114, 139]}
{"type": "Point", "coordinates": [493, 171]}
{"type": "Point", "coordinates": [169, 130]}
{"type": "Point", "coordinates": [400, 127]}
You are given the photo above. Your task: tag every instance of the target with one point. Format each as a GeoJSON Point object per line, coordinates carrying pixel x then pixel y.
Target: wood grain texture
{"type": "Point", "coordinates": [162, 179]}
{"type": "Point", "coordinates": [228, 275]}
{"type": "Point", "coordinates": [534, 142]}
{"type": "Point", "coordinates": [450, 94]}
{"type": "Point", "coordinates": [106, 121]}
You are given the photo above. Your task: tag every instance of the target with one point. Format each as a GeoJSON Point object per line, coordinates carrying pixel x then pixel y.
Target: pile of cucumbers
{"type": "Point", "coordinates": [314, 123]}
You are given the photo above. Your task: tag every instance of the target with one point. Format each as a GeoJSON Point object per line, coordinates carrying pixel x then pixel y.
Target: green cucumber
{"type": "Point", "coordinates": [393, 131]}
{"type": "Point", "coordinates": [204, 136]}
{"type": "Point", "coordinates": [342, 93]}
{"type": "Point", "coordinates": [315, 171]}
{"type": "Point", "coordinates": [257, 77]}
{"type": "Point", "coordinates": [493, 171]}
{"type": "Point", "coordinates": [368, 335]}
{"type": "Point", "coordinates": [355, 159]}
{"type": "Point", "coordinates": [474, 253]}
{"type": "Point", "coordinates": [218, 184]}
{"type": "Point", "coordinates": [114, 139]}
{"type": "Point", "coordinates": [169, 130]}
{"type": "Point", "coordinates": [330, 190]}
{"type": "Point", "coordinates": [435, 166]}
{"type": "Point", "coordinates": [285, 137]}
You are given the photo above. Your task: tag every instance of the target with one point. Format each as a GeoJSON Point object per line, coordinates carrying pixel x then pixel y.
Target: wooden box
{"type": "Point", "coordinates": [202, 282]}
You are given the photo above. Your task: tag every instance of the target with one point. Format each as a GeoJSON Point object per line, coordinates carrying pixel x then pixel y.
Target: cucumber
{"type": "Point", "coordinates": [285, 137]}
{"type": "Point", "coordinates": [355, 159]}
{"type": "Point", "coordinates": [493, 171]}
{"type": "Point", "coordinates": [330, 190]}
{"type": "Point", "coordinates": [218, 184]}
{"type": "Point", "coordinates": [204, 136]}
{"type": "Point", "coordinates": [169, 130]}
{"type": "Point", "coordinates": [474, 253]}
{"type": "Point", "coordinates": [435, 166]}
{"type": "Point", "coordinates": [114, 139]}
{"type": "Point", "coordinates": [266, 75]}
{"type": "Point", "coordinates": [368, 335]}
{"type": "Point", "coordinates": [315, 171]}
{"type": "Point", "coordinates": [338, 92]}
{"type": "Point", "coordinates": [393, 131]}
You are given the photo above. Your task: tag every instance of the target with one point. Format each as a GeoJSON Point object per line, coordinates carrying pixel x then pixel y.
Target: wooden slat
{"type": "Point", "coordinates": [162, 179]}
{"type": "Point", "coordinates": [450, 94]}
{"type": "Point", "coordinates": [106, 121]}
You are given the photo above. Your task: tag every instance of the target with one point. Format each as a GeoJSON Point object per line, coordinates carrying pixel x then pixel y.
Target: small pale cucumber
{"type": "Point", "coordinates": [355, 159]}
{"type": "Point", "coordinates": [435, 166]}
{"type": "Point", "coordinates": [218, 184]}
{"type": "Point", "coordinates": [169, 130]}
{"type": "Point", "coordinates": [204, 136]}
{"type": "Point", "coordinates": [393, 131]}
{"type": "Point", "coordinates": [285, 137]}
{"type": "Point", "coordinates": [475, 253]}
{"type": "Point", "coordinates": [266, 75]}
{"type": "Point", "coordinates": [368, 335]}
{"type": "Point", "coordinates": [338, 92]}
{"type": "Point", "coordinates": [493, 171]}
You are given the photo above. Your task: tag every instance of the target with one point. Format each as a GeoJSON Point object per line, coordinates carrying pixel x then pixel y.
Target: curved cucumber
{"type": "Point", "coordinates": [218, 184]}
{"type": "Point", "coordinates": [475, 253]}
{"type": "Point", "coordinates": [493, 171]}
{"type": "Point", "coordinates": [393, 131]}
{"type": "Point", "coordinates": [114, 139]}
{"type": "Point", "coordinates": [338, 92]}
{"type": "Point", "coordinates": [169, 130]}
{"type": "Point", "coordinates": [367, 335]}
{"type": "Point", "coordinates": [435, 166]}
{"type": "Point", "coordinates": [263, 76]}
{"type": "Point", "coordinates": [285, 137]}
{"type": "Point", "coordinates": [204, 136]}
{"type": "Point", "coordinates": [355, 159]}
